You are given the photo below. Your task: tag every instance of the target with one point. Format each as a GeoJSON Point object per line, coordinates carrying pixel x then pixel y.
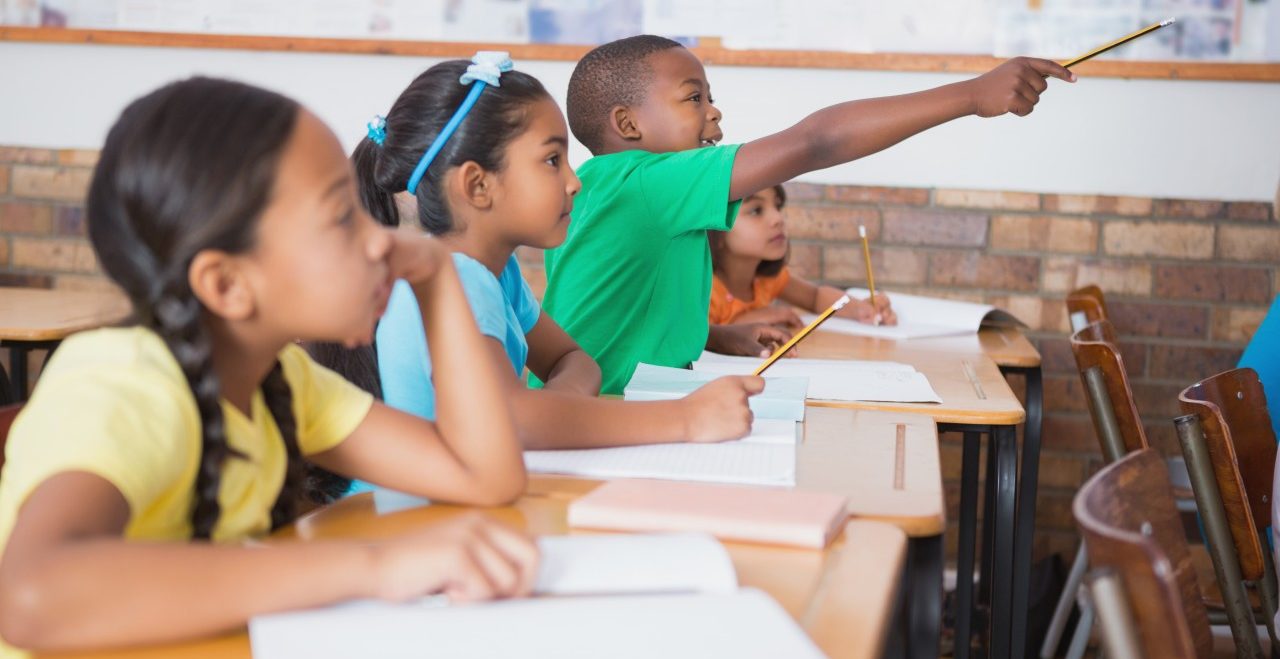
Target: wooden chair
{"type": "Point", "coordinates": [1143, 584]}
{"type": "Point", "coordinates": [1230, 449]}
{"type": "Point", "coordinates": [7, 414]}
{"type": "Point", "coordinates": [1086, 305]}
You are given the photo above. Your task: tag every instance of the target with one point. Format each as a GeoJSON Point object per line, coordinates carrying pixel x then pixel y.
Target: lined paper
{"type": "Point", "coordinates": [749, 463]}
{"type": "Point", "coordinates": [837, 379]}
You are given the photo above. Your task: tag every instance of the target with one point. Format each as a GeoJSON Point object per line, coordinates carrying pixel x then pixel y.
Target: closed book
{"type": "Point", "coordinates": [731, 512]}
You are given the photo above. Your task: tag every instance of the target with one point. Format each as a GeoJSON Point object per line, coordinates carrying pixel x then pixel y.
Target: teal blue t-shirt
{"type": "Point", "coordinates": [632, 281]}
{"type": "Point", "coordinates": [504, 308]}
{"type": "Point", "coordinates": [1263, 355]}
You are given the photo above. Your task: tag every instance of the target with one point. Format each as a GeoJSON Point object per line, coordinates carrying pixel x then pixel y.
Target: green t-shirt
{"type": "Point", "coordinates": [632, 281]}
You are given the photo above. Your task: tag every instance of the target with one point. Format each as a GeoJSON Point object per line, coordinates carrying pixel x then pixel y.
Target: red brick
{"type": "Point", "coordinates": [78, 157]}
{"type": "Point", "coordinates": [1249, 243]}
{"type": "Point", "coordinates": [1190, 364]}
{"type": "Point", "coordinates": [87, 261]}
{"type": "Point", "coordinates": [1027, 308]}
{"type": "Point", "coordinates": [23, 217]}
{"type": "Point", "coordinates": [831, 222]}
{"type": "Point", "coordinates": [1069, 432]}
{"type": "Point", "coordinates": [62, 183]}
{"type": "Point", "coordinates": [1155, 400]}
{"type": "Point", "coordinates": [1116, 277]}
{"type": "Point", "coordinates": [4, 180]}
{"type": "Point", "coordinates": [4, 251]}
{"type": "Point", "coordinates": [1163, 320]}
{"type": "Point", "coordinates": [1200, 209]}
{"type": "Point", "coordinates": [855, 194]}
{"type": "Point", "coordinates": [1212, 283]}
{"type": "Point", "coordinates": [1063, 470]}
{"type": "Point", "coordinates": [1180, 240]}
{"type": "Point", "coordinates": [1044, 233]}
{"type": "Point", "coordinates": [927, 227]}
{"type": "Point", "coordinates": [891, 265]}
{"type": "Point", "coordinates": [1097, 205]}
{"type": "Point", "coordinates": [26, 156]}
{"type": "Point", "coordinates": [70, 221]}
{"type": "Point", "coordinates": [1163, 436]}
{"type": "Point", "coordinates": [1250, 211]}
{"type": "Point", "coordinates": [1236, 324]}
{"type": "Point", "coordinates": [1014, 201]}
{"type": "Point", "coordinates": [1053, 511]}
{"type": "Point", "coordinates": [969, 269]}
{"type": "Point", "coordinates": [1064, 393]}
{"type": "Point", "coordinates": [797, 192]}
{"type": "Point", "coordinates": [805, 260]}
{"type": "Point", "coordinates": [1050, 542]}
{"type": "Point", "coordinates": [45, 254]}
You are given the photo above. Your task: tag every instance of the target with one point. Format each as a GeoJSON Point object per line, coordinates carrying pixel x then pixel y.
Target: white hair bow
{"type": "Point", "coordinates": [487, 66]}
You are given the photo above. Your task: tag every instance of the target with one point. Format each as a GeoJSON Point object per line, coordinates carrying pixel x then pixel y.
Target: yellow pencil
{"type": "Point", "coordinates": [836, 306]}
{"type": "Point", "coordinates": [871, 279]}
{"type": "Point", "coordinates": [1118, 42]}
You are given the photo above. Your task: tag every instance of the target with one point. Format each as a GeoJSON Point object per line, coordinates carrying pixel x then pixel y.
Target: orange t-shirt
{"type": "Point", "coordinates": [764, 290]}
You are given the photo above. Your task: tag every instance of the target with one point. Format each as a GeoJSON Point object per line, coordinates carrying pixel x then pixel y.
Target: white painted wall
{"type": "Point", "coordinates": [1211, 140]}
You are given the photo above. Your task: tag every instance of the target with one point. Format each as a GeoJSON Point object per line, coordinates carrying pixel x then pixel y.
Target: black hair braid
{"type": "Point", "coordinates": [176, 318]}
{"type": "Point", "coordinates": [279, 399]}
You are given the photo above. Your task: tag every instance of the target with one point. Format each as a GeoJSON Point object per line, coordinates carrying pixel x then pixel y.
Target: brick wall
{"type": "Point", "coordinates": [1188, 281]}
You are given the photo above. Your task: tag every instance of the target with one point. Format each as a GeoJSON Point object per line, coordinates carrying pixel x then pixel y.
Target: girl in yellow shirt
{"type": "Point", "coordinates": [229, 216]}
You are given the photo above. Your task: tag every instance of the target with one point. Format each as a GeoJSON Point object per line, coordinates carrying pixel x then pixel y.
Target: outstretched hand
{"type": "Point", "coordinates": [1014, 86]}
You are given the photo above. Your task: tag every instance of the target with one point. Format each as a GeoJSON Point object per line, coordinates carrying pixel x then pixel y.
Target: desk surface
{"type": "Point", "coordinates": [1005, 345]}
{"type": "Point", "coordinates": [843, 596]}
{"type": "Point", "coordinates": [853, 453]}
{"type": "Point", "coordinates": [33, 314]}
{"type": "Point", "coordinates": [976, 394]}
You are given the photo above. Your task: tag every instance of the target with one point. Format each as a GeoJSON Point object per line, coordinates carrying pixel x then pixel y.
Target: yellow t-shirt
{"type": "Point", "coordinates": [114, 403]}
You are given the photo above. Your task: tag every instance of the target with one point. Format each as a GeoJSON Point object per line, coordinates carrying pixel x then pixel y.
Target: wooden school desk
{"type": "Point", "coordinates": [857, 454]}
{"type": "Point", "coordinates": [39, 319]}
{"type": "Point", "coordinates": [842, 596]}
{"type": "Point", "coordinates": [977, 401]}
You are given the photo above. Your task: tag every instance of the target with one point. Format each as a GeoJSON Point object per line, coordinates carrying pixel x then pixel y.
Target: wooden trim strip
{"type": "Point", "coordinates": [710, 51]}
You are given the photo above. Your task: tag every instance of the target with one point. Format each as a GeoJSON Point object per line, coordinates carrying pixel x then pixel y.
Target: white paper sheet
{"type": "Point", "coordinates": [772, 431]}
{"type": "Point", "coordinates": [782, 398]}
{"type": "Point", "coordinates": [837, 379]}
{"type": "Point", "coordinates": [746, 624]}
{"type": "Point", "coordinates": [634, 564]}
{"type": "Point", "coordinates": [749, 463]}
{"type": "Point", "coordinates": [919, 317]}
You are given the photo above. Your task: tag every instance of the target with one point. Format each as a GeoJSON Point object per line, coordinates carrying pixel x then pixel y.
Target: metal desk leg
{"type": "Point", "coordinates": [1004, 442]}
{"type": "Point", "coordinates": [1028, 484]}
{"type": "Point", "coordinates": [968, 533]}
{"type": "Point", "coordinates": [924, 613]}
{"type": "Point", "coordinates": [18, 370]}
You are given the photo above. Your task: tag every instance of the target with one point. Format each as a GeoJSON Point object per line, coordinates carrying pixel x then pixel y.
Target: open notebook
{"type": "Point", "coordinates": [782, 398]}
{"type": "Point", "coordinates": [765, 457]}
{"type": "Point", "coordinates": [673, 596]}
{"type": "Point", "coordinates": [836, 379]}
{"type": "Point", "coordinates": [921, 317]}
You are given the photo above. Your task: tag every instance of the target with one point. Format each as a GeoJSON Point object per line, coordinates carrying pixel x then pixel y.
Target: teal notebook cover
{"type": "Point", "coordinates": [782, 398]}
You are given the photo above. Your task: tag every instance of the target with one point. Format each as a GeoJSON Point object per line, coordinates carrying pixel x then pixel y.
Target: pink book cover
{"type": "Point", "coordinates": [731, 512]}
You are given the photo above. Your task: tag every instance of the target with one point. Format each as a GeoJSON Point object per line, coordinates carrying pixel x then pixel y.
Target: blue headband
{"type": "Point", "coordinates": [486, 68]}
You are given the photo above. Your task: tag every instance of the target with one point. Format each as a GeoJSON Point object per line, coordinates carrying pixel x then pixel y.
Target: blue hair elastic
{"type": "Point", "coordinates": [377, 129]}
{"type": "Point", "coordinates": [486, 68]}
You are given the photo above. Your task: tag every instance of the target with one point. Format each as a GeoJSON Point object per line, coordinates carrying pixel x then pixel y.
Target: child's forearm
{"type": "Point", "coordinates": [552, 419]}
{"type": "Point", "coordinates": [843, 133]}
{"type": "Point", "coordinates": [472, 413]}
{"type": "Point", "coordinates": [109, 592]}
{"type": "Point", "coordinates": [576, 373]}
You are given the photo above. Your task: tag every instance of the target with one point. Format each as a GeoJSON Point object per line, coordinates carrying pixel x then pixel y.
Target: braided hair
{"type": "Point", "coordinates": [187, 168]}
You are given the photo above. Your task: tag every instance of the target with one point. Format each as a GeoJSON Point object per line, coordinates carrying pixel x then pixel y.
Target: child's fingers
{"type": "Point", "coordinates": [1051, 68]}
{"type": "Point", "coordinates": [752, 384]}
{"type": "Point", "coordinates": [519, 550]}
{"type": "Point", "coordinates": [1036, 82]}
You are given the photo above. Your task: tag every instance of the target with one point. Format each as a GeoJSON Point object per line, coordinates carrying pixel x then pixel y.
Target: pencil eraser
{"type": "Point", "coordinates": [862, 231]}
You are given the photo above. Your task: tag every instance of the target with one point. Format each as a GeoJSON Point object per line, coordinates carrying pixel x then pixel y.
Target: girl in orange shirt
{"type": "Point", "coordinates": [750, 268]}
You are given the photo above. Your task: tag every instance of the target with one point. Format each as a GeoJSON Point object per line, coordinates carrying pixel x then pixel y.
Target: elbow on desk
{"type": "Point", "coordinates": [27, 618]}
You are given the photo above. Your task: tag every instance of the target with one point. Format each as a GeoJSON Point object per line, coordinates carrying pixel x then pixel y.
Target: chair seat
{"type": "Point", "coordinates": [1209, 589]}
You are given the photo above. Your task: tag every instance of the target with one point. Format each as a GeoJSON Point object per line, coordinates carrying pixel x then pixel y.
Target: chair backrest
{"type": "Point", "coordinates": [7, 414]}
{"type": "Point", "coordinates": [1086, 305]}
{"type": "Point", "coordinates": [1131, 525]}
{"type": "Point", "coordinates": [1232, 409]}
{"type": "Point", "coordinates": [1095, 349]}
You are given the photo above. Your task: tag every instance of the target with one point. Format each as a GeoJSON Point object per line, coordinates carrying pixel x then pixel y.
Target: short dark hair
{"type": "Point", "coordinates": [766, 268]}
{"type": "Point", "coordinates": [610, 75]}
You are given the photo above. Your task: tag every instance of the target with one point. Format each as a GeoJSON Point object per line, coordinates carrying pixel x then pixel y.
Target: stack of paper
{"type": "Point", "coordinates": [836, 379]}
{"type": "Point", "coordinates": [767, 459]}
{"type": "Point", "coordinates": [782, 398]}
{"type": "Point", "coordinates": [709, 617]}
{"type": "Point", "coordinates": [921, 317]}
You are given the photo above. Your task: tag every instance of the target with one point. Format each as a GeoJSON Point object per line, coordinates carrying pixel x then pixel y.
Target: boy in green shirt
{"type": "Point", "coordinates": [632, 281]}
